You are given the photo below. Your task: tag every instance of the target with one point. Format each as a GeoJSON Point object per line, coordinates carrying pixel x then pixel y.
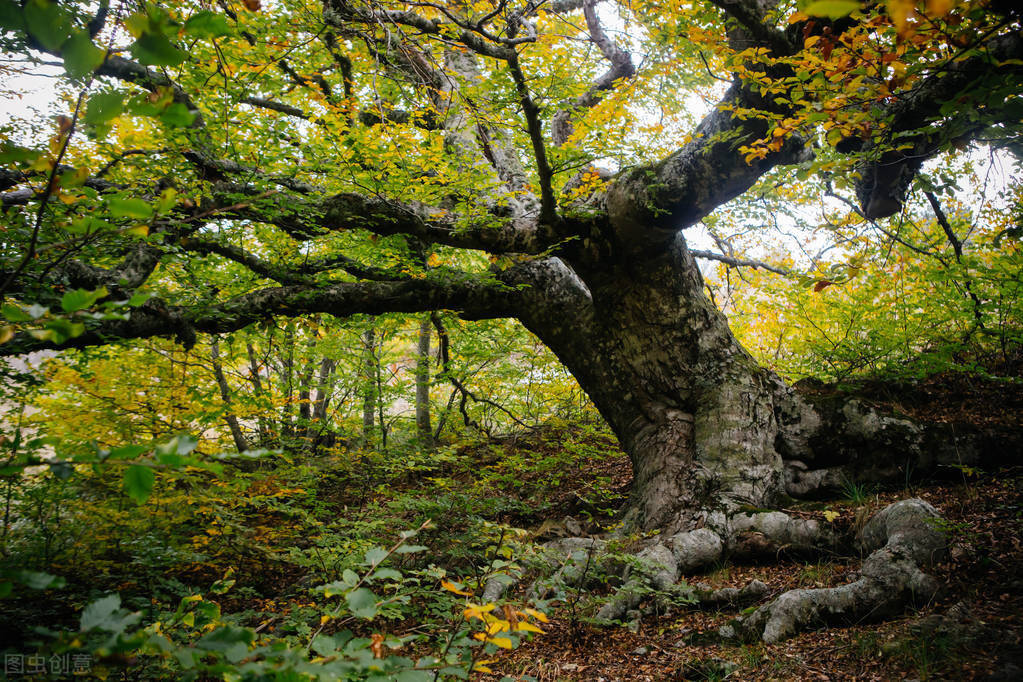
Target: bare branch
{"type": "Point", "coordinates": [739, 262]}
{"type": "Point", "coordinates": [621, 68]}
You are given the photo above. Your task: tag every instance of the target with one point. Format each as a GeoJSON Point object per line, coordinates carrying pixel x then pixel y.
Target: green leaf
{"type": "Point", "coordinates": [154, 49]}
{"type": "Point", "coordinates": [37, 580]}
{"type": "Point", "coordinates": [230, 639]}
{"type": "Point", "coordinates": [138, 298]}
{"type": "Point", "coordinates": [414, 676]}
{"type": "Point", "coordinates": [832, 9]}
{"type": "Point", "coordinates": [138, 482]}
{"type": "Point", "coordinates": [374, 556]}
{"type": "Point", "coordinates": [103, 107]}
{"type": "Point", "coordinates": [410, 549]}
{"type": "Point", "coordinates": [88, 225]}
{"type": "Point", "coordinates": [79, 299]}
{"type": "Point", "coordinates": [126, 207]}
{"type": "Point", "coordinates": [61, 330]}
{"type": "Point", "coordinates": [37, 311]}
{"type": "Point", "coordinates": [362, 603]}
{"type": "Point", "coordinates": [177, 115]}
{"type": "Point", "coordinates": [10, 153]}
{"type": "Point", "coordinates": [179, 445]}
{"type": "Point", "coordinates": [48, 23]}
{"type": "Point", "coordinates": [14, 314]}
{"type": "Point", "coordinates": [324, 645]}
{"type": "Point", "coordinates": [100, 612]}
{"type": "Point", "coordinates": [127, 452]}
{"type": "Point", "coordinates": [207, 24]}
{"type": "Point", "coordinates": [81, 57]}
{"type": "Point", "coordinates": [10, 16]}
{"type": "Point", "coordinates": [387, 574]}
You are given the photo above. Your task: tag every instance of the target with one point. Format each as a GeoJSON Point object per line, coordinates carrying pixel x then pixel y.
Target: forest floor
{"type": "Point", "coordinates": [972, 630]}
{"type": "Point", "coordinates": [278, 529]}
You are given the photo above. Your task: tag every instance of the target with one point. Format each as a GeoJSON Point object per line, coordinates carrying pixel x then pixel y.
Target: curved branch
{"type": "Point", "coordinates": [649, 204]}
{"type": "Point", "coordinates": [886, 178]}
{"type": "Point", "coordinates": [621, 68]}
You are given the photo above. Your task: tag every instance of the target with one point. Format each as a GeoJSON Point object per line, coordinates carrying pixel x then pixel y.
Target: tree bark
{"type": "Point", "coordinates": [369, 397]}
{"type": "Point", "coordinates": [423, 382]}
{"type": "Point", "coordinates": [225, 395]}
{"type": "Point", "coordinates": [257, 386]}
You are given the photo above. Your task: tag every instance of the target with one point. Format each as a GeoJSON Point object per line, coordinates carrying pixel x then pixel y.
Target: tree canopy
{"type": "Point", "coordinates": [219, 164]}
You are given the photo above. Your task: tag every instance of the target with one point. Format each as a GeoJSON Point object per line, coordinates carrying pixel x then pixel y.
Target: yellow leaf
{"type": "Point", "coordinates": [899, 11]}
{"type": "Point", "coordinates": [324, 619]}
{"type": "Point", "coordinates": [810, 42]}
{"type": "Point", "coordinates": [140, 230]}
{"type": "Point", "coordinates": [451, 587]}
{"type": "Point", "coordinates": [539, 615]}
{"type": "Point", "coordinates": [939, 8]}
{"type": "Point", "coordinates": [527, 627]}
{"type": "Point", "coordinates": [497, 626]}
{"type": "Point", "coordinates": [830, 515]}
{"type": "Point", "coordinates": [481, 666]}
{"type": "Point", "coordinates": [433, 261]}
{"type": "Point", "coordinates": [6, 332]}
{"type": "Point", "coordinates": [502, 642]}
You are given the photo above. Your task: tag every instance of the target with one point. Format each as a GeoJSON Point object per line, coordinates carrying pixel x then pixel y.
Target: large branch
{"type": "Point", "coordinates": [473, 299]}
{"type": "Point", "coordinates": [340, 12]}
{"type": "Point", "coordinates": [885, 179]}
{"type": "Point", "coordinates": [303, 217]}
{"type": "Point", "coordinates": [649, 204]}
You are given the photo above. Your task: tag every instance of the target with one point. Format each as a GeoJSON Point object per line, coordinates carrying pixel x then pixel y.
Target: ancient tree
{"type": "Point", "coordinates": [497, 159]}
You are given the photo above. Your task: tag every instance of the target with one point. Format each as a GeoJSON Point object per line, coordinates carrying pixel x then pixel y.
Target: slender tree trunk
{"type": "Point", "coordinates": [423, 382]}
{"type": "Point", "coordinates": [319, 431]}
{"type": "Point", "coordinates": [305, 410]}
{"type": "Point", "coordinates": [288, 381]}
{"type": "Point", "coordinates": [257, 386]}
{"type": "Point", "coordinates": [369, 385]}
{"type": "Point", "coordinates": [225, 394]}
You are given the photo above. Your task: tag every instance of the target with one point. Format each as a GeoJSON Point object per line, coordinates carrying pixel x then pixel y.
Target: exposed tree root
{"type": "Point", "coordinates": [903, 537]}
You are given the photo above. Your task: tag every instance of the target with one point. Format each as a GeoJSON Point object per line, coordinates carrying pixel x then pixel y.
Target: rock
{"type": "Point", "coordinates": [640, 651]}
{"type": "Point", "coordinates": [572, 526]}
{"type": "Point", "coordinates": [695, 549]}
{"type": "Point", "coordinates": [659, 564]}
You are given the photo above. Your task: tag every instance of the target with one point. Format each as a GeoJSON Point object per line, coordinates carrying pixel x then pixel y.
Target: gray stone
{"type": "Point", "coordinates": [695, 549]}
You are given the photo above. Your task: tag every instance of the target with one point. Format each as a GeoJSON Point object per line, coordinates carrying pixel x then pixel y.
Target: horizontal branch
{"type": "Point", "coordinates": [473, 299]}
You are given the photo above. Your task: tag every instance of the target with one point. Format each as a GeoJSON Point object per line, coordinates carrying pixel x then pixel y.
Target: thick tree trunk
{"type": "Point", "coordinates": [691, 407]}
